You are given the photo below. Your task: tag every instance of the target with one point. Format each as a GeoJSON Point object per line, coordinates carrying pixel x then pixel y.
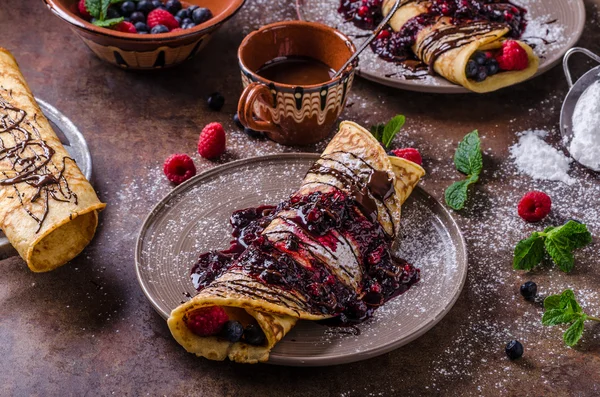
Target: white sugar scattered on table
{"type": "Point", "coordinates": [536, 158]}
{"type": "Point", "coordinates": [585, 146]}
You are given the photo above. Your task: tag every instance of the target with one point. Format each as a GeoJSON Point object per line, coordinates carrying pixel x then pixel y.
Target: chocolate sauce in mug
{"type": "Point", "coordinates": [296, 70]}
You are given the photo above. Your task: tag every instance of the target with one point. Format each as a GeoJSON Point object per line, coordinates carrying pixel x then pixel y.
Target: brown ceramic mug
{"type": "Point", "coordinates": [294, 114]}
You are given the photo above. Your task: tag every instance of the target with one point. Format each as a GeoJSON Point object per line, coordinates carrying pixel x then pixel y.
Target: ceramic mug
{"type": "Point", "coordinates": [294, 114]}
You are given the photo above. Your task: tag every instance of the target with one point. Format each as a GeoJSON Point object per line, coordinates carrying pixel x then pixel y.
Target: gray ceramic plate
{"type": "Point", "coordinates": [194, 218]}
{"type": "Point", "coordinates": [554, 27]}
{"type": "Point", "coordinates": [75, 144]}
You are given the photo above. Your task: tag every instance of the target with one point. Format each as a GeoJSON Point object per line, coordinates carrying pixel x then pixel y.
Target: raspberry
{"type": "Point", "coordinates": [512, 56]}
{"type": "Point", "coordinates": [409, 154]}
{"type": "Point", "coordinates": [83, 10]}
{"type": "Point", "coordinates": [126, 27]}
{"type": "Point", "coordinates": [212, 141]}
{"type": "Point", "coordinates": [206, 321]}
{"type": "Point", "coordinates": [158, 16]}
{"type": "Point", "coordinates": [534, 206]}
{"type": "Point", "coordinates": [179, 168]}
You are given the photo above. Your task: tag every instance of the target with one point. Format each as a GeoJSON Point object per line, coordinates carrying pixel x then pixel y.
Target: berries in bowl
{"type": "Point", "coordinates": [145, 34]}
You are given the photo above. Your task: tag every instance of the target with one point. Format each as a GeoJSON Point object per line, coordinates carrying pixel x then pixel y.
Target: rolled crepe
{"type": "Point", "coordinates": [354, 165]}
{"type": "Point", "coordinates": [446, 47]}
{"type": "Point", "coordinates": [48, 210]}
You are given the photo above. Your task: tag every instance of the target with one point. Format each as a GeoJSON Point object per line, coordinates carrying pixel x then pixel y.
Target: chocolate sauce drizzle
{"type": "Point", "coordinates": [29, 161]}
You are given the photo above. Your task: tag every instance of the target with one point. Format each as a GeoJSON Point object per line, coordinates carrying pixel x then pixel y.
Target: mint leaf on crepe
{"type": "Point", "coordinates": [468, 160]}
{"type": "Point", "coordinates": [529, 252]}
{"type": "Point", "coordinates": [385, 133]}
{"type": "Point", "coordinates": [108, 22]}
{"type": "Point", "coordinates": [564, 309]}
{"type": "Point", "coordinates": [558, 242]}
{"type": "Point", "coordinates": [391, 129]}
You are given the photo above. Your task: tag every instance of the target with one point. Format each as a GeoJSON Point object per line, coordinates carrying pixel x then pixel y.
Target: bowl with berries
{"type": "Point", "coordinates": [145, 34]}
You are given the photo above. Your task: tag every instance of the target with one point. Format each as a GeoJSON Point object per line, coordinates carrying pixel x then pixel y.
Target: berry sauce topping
{"type": "Point", "coordinates": [396, 46]}
{"type": "Point", "coordinates": [317, 216]}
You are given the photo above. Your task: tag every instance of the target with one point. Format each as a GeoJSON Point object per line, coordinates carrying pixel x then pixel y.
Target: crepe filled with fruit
{"type": "Point", "coordinates": [323, 254]}
{"type": "Point", "coordinates": [469, 42]}
{"type": "Point", "coordinates": [48, 210]}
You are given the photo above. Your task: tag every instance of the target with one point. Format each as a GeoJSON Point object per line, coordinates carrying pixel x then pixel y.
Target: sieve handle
{"type": "Point", "coordinates": [566, 61]}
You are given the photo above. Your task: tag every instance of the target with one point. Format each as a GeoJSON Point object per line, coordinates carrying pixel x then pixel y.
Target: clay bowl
{"type": "Point", "coordinates": [149, 51]}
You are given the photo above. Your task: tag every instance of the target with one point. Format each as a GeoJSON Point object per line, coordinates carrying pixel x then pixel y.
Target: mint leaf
{"type": "Point", "coordinates": [560, 255]}
{"type": "Point", "coordinates": [456, 195]}
{"type": "Point", "coordinates": [529, 252]}
{"type": "Point", "coordinates": [558, 316]}
{"type": "Point", "coordinates": [391, 129]}
{"type": "Point", "coordinates": [552, 302]}
{"type": "Point", "coordinates": [108, 22]}
{"type": "Point", "coordinates": [377, 131]}
{"type": "Point", "coordinates": [575, 331]}
{"type": "Point", "coordinates": [574, 234]}
{"type": "Point", "coordinates": [94, 7]}
{"type": "Point", "coordinates": [104, 4]}
{"type": "Point", "coordinates": [569, 302]}
{"type": "Point", "coordinates": [468, 158]}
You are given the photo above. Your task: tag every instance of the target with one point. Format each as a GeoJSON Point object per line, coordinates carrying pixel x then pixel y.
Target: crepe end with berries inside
{"type": "Point", "coordinates": [447, 47]}
{"type": "Point", "coordinates": [318, 257]}
{"type": "Point", "coordinates": [48, 209]}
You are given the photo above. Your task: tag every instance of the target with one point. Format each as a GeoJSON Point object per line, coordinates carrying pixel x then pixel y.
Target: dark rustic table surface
{"type": "Point", "coordinates": [87, 329]}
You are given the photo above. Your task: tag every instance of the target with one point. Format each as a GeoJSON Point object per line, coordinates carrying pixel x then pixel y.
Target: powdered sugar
{"type": "Point", "coordinates": [538, 159]}
{"type": "Point", "coordinates": [585, 146]}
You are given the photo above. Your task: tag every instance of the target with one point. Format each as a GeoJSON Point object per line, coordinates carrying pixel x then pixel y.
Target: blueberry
{"type": "Point", "coordinates": [173, 6]}
{"type": "Point", "coordinates": [514, 349]}
{"type": "Point", "coordinates": [190, 25]}
{"type": "Point", "coordinates": [254, 335]}
{"type": "Point", "coordinates": [145, 6]}
{"type": "Point", "coordinates": [233, 331]}
{"type": "Point", "coordinates": [183, 14]}
{"type": "Point", "coordinates": [529, 290]}
{"type": "Point", "coordinates": [137, 16]}
{"type": "Point", "coordinates": [191, 9]}
{"type": "Point", "coordinates": [472, 69]}
{"type": "Point", "coordinates": [178, 20]}
{"type": "Point", "coordinates": [253, 133]}
{"type": "Point", "coordinates": [201, 15]}
{"type": "Point", "coordinates": [481, 74]}
{"type": "Point", "coordinates": [127, 8]}
{"type": "Point", "coordinates": [159, 29]}
{"type": "Point", "coordinates": [93, 20]}
{"type": "Point", "coordinates": [216, 101]}
{"type": "Point", "coordinates": [112, 13]}
{"type": "Point", "coordinates": [492, 67]}
{"type": "Point", "coordinates": [158, 4]}
{"type": "Point", "coordinates": [141, 27]}
{"type": "Point", "coordinates": [391, 153]}
{"type": "Point", "coordinates": [236, 120]}
{"type": "Point", "coordinates": [142, 32]}
{"type": "Point", "coordinates": [479, 57]}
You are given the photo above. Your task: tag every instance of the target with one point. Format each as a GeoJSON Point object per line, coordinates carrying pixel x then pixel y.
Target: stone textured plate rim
{"type": "Point", "coordinates": [415, 85]}
{"type": "Point", "coordinates": [446, 219]}
{"type": "Point", "coordinates": [76, 139]}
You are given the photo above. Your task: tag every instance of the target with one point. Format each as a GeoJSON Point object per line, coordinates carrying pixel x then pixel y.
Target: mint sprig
{"type": "Point", "coordinates": [98, 10]}
{"type": "Point", "coordinates": [468, 160]}
{"type": "Point", "coordinates": [564, 309]}
{"type": "Point", "coordinates": [385, 133]}
{"type": "Point", "coordinates": [558, 242]}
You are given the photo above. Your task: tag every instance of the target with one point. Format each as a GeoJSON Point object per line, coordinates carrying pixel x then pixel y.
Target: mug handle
{"type": "Point", "coordinates": [253, 92]}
